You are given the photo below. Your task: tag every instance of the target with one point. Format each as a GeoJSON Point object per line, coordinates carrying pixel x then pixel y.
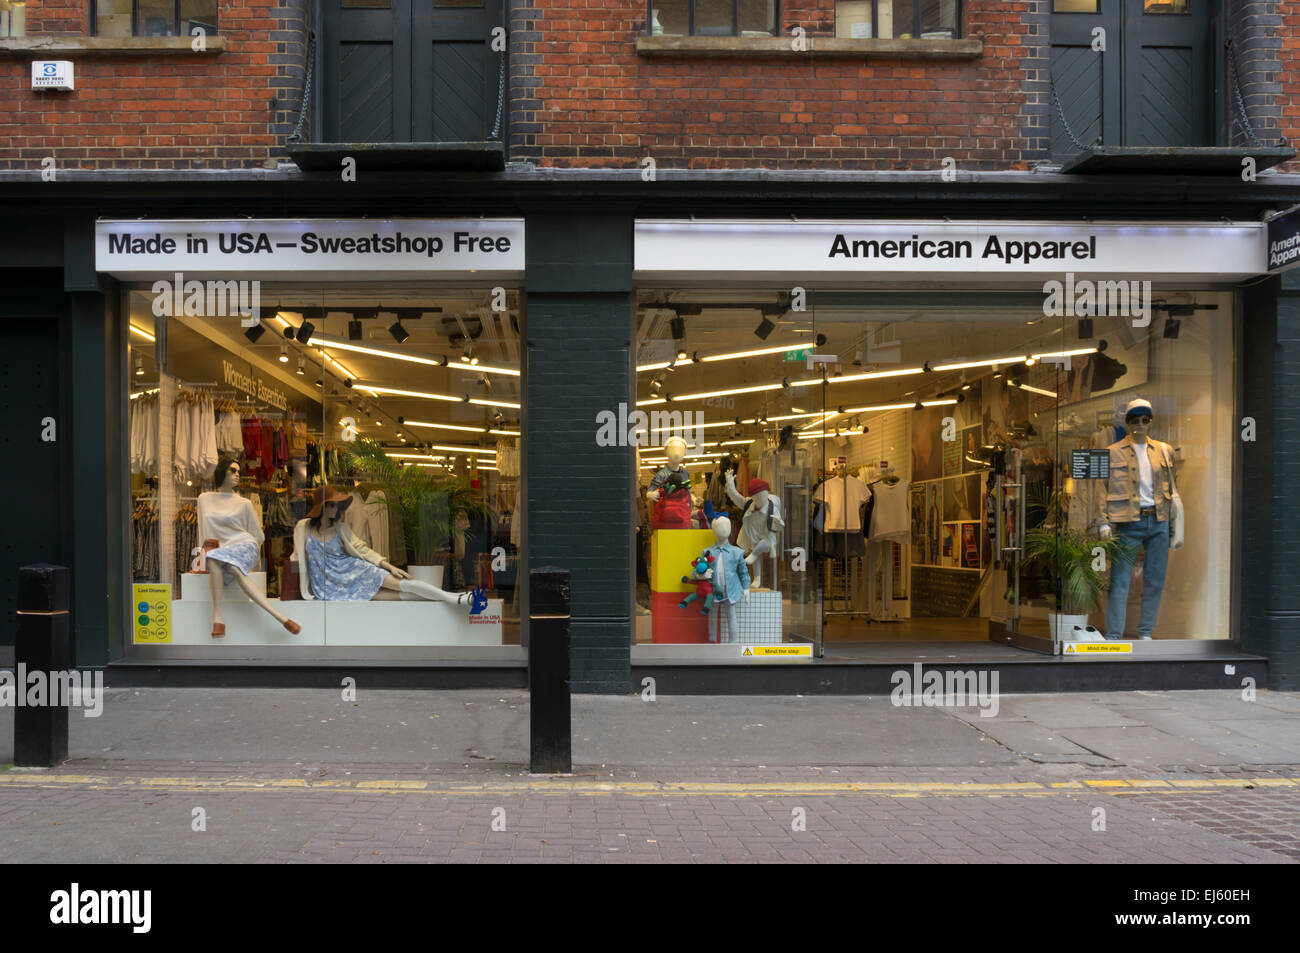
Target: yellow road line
{"type": "Point", "coordinates": [587, 788]}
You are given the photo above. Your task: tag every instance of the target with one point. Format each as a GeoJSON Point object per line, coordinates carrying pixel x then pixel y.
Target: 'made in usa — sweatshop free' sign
{"type": "Point", "coordinates": [311, 248]}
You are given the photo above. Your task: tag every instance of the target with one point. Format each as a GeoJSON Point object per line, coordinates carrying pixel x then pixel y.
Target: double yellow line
{"type": "Point", "coordinates": [576, 787]}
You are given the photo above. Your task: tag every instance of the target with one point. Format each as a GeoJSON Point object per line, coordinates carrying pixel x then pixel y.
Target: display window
{"type": "Point", "coordinates": [339, 472]}
{"type": "Point", "coordinates": [937, 466]}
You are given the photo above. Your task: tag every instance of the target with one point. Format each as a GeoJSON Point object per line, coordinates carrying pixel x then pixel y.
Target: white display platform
{"type": "Point", "coordinates": [378, 623]}
{"type": "Point", "coordinates": [196, 587]}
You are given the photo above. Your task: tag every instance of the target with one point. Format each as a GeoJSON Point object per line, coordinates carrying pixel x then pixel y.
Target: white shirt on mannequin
{"type": "Point", "coordinates": [1145, 495]}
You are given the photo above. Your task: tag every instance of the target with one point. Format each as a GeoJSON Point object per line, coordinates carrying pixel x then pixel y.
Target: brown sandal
{"type": "Point", "coordinates": [292, 626]}
{"type": "Point", "coordinates": [218, 630]}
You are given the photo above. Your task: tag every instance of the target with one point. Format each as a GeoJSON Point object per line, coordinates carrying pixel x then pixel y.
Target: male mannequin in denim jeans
{"type": "Point", "coordinates": [1137, 505]}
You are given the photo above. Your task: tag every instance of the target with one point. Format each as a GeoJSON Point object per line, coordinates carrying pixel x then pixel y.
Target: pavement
{"type": "Point", "coordinates": [307, 776]}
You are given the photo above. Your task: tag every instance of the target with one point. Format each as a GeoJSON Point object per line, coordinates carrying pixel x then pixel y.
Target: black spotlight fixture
{"type": "Point", "coordinates": [765, 327]}
{"type": "Point", "coordinates": [305, 331]}
{"type": "Point", "coordinates": [255, 333]}
{"type": "Point", "coordinates": [1172, 327]}
{"type": "Point", "coordinates": [399, 333]}
{"type": "Point", "coordinates": [821, 340]}
{"type": "Point", "coordinates": [678, 324]}
{"type": "Point", "coordinates": [354, 329]}
{"type": "Point", "coordinates": [1085, 329]}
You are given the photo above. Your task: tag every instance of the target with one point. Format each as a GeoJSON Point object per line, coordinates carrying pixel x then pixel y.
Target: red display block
{"type": "Point", "coordinates": [669, 624]}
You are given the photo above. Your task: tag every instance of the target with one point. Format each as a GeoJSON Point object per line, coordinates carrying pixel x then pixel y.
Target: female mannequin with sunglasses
{"type": "Point", "coordinates": [228, 518]}
{"type": "Point", "coordinates": [1139, 503]}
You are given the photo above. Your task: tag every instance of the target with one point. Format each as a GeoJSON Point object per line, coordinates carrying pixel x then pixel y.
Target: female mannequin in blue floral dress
{"type": "Point", "coordinates": [337, 566]}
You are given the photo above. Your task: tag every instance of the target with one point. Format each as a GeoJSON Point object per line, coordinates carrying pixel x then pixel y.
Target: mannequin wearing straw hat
{"type": "Point", "coordinates": [227, 517]}
{"type": "Point", "coordinates": [335, 565]}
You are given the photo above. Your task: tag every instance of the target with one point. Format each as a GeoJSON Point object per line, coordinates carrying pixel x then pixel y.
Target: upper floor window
{"type": "Point", "coordinates": [713, 17]}
{"type": "Point", "coordinates": [13, 18]}
{"type": "Point", "coordinates": [898, 19]}
{"type": "Point", "coordinates": [153, 17]}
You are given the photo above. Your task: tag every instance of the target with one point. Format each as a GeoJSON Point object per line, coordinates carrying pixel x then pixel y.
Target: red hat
{"type": "Point", "coordinates": [756, 484]}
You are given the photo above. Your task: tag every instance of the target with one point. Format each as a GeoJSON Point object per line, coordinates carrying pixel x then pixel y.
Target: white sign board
{"type": "Point", "coordinates": [52, 74]}
{"type": "Point", "coordinates": [311, 248]}
{"type": "Point", "coordinates": [834, 250]}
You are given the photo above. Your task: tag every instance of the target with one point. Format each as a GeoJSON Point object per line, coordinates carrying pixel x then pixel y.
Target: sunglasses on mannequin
{"type": "Point", "coordinates": [1144, 420]}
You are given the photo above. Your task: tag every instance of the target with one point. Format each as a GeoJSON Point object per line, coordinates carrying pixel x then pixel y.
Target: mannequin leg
{"type": "Point", "coordinates": [1156, 561]}
{"type": "Point", "coordinates": [216, 580]}
{"type": "Point", "coordinates": [258, 598]}
{"type": "Point", "coordinates": [413, 590]}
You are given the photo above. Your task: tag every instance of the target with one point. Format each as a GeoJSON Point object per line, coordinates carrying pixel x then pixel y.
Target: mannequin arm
{"type": "Point", "coordinates": [732, 493]}
{"type": "Point", "coordinates": [300, 554]}
{"type": "Point", "coordinates": [357, 548]}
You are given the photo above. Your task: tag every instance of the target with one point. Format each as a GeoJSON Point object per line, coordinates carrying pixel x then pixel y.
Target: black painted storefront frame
{"type": "Point", "coordinates": [578, 281]}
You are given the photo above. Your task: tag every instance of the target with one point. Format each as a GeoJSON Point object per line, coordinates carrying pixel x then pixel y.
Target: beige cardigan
{"type": "Point", "coordinates": [354, 547]}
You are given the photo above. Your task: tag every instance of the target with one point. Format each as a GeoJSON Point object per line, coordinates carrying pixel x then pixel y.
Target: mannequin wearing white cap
{"type": "Point", "coordinates": [1138, 502]}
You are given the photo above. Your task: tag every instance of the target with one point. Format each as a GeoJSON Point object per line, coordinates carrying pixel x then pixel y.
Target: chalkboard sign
{"type": "Point", "coordinates": [941, 592]}
{"type": "Point", "coordinates": [1090, 464]}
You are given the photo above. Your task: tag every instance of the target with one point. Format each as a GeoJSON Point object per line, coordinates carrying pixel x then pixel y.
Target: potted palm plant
{"type": "Point", "coordinates": [1076, 562]}
{"type": "Point", "coordinates": [434, 506]}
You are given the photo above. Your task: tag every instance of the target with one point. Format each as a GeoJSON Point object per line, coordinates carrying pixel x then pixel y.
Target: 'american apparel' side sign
{"type": "Point", "coordinates": [285, 248]}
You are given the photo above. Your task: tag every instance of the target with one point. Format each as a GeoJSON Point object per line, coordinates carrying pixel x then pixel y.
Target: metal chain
{"type": "Point", "coordinates": [501, 94]}
{"type": "Point", "coordinates": [1243, 116]}
{"type": "Point", "coordinates": [1065, 123]}
{"type": "Point", "coordinates": [306, 88]}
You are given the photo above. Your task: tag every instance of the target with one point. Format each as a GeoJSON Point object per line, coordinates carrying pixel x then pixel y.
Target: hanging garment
{"type": "Point", "coordinates": [843, 497]}
{"type": "Point", "coordinates": [890, 519]}
{"type": "Point", "coordinates": [507, 458]}
{"type": "Point", "coordinates": [377, 522]}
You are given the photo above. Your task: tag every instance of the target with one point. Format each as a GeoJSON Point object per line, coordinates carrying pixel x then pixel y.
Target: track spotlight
{"type": "Point", "coordinates": [678, 324]}
{"type": "Point", "coordinates": [284, 353]}
{"type": "Point", "coordinates": [399, 333]}
{"type": "Point", "coordinates": [820, 340]}
{"type": "Point", "coordinates": [1085, 329]}
{"type": "Point", "coordinates": [255, 332]}
{"type": "Point", "coordinates": [139, 366]}
{"type": "Point", "coordinates": [305, 331]}
{"type": "Point", "coordinates": [302, 368]}
{"type": "Point", "coordinates": [681, 355]}
{"type": "Point", "coordinates": [1172, 327]}
{"type": "Point", "coordinates": [765, 327]}
{"type": "Point", "coordinates": [354, 329]}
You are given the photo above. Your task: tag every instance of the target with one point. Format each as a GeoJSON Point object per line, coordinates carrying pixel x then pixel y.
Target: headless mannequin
{"type": "Point", "coordinates": [675, 450]}
{"type": "Point", "coordinates": [217, 577]}
{"type": "Point", "coordinates": [763, 540]}
{"type": "Point", "coordinates": [730, 580]}
{"type": "Point", "coordinates": [399, 584]}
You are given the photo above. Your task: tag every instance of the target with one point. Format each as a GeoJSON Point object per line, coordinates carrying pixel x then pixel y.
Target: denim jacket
{"type": "Point", "coordinates": [730, 574]}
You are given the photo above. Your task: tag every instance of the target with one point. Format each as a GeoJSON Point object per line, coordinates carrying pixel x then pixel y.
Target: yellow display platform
{"type": "Point", "coordinates": [672, 551]}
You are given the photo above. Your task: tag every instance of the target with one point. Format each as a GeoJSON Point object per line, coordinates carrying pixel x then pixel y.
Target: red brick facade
{"type": "Point", "coordinates": [582, 96]}
{"type": "Point", "coordinates": [178, 110]}
{"type": "Point", "coordinates": [601, 104]}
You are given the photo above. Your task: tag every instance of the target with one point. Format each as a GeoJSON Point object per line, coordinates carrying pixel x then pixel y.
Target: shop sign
{"type": "Point", "coordinates": [287, 248]}
{"type": "Point", "coordinates": [823, 250]}
{"type": "Point", "coordinates": [785, 652]}
{"type": "Point", "coordinates": [1097, 648]}
{"type": "Point", "coordinates": [1284, 240]}
{"type": "Point", "coordinates": [254, 387]}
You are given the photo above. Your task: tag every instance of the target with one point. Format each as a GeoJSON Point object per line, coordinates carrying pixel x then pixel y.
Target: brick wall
{"type": "Point", "coordinates": [182, 111]}
{"type": "Point", "coordinates": [590, 100]}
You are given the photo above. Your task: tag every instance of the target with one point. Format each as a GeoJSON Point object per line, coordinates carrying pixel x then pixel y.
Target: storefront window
{"type": "Point", "coordinates": [946, 466]}
{"type": "Point", "coordinates": [353, 461]}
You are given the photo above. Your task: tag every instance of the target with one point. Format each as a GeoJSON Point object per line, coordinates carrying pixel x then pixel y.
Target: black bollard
{"type": "Point", "coordinates": [550, 749]}
{"type": "Point", "coordinates": [42, 643]}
